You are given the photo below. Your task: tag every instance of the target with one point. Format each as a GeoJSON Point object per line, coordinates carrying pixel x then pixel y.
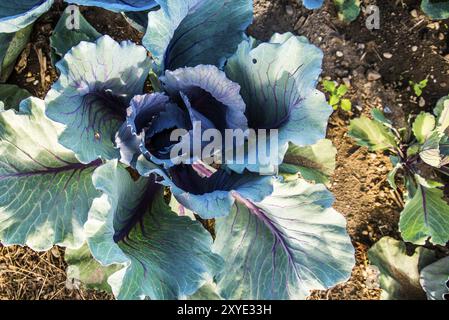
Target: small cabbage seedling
{"type": "Point", "coordinates": [421, 153]}
{"type": "Point", "coordinates": [406, 275]}
{"type": "Point", "coordinates": [418, 87]}
{"type": "Point", "coordinates": [336, 95]}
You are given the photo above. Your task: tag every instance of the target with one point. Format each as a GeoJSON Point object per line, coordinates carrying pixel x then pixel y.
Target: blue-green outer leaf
{"type": "Point", "coordinates": [425, 215]}
{"type": "Point", "coordinates": [103, 69]}
{"type": "Point", "coordinates": [283, 247]}
{"type": "Point", "coordinates": [436, 9]}
{"type": "Point", "coordinates": [63, 39]}
{"type": "Point", "coordinates": [278, 81]}
{"type": "Point", "coordinates": [11, 96]}
{"type": "Point", "coordinates": [45, 193]}
{"type": "Point", "coordinates": [434, 278]}
{"type": "Point", "coordinates": [11, 46]}
{"type": "Point", "coordinates": [186, 33]}
{"type": "Point", "coordinates": [18, 14]}
{"type": "Point", "coordinates": [164, 256]}
{"type": "Point", "coordinates": [119, 5]}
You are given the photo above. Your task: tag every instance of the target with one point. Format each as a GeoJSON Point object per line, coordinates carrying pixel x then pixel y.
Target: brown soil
{"type": "Point", "coordinates": [29, 275]}
{"type": "Point", "coordinates": [418, 48]}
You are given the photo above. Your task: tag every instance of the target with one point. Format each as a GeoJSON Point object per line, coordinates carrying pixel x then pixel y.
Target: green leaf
{"type": "Point", "coordinates": [334, 100]}
{"type": "Point", "coordinates": [441, 104]}
{"type": "Point", "coordinates": [83, 267]}
{"type": "Point", "coordinates": [187, 33]}
{"type": "Point", "coordinates": [434, 278]}
{"type": "Point", "coordinates": [342, 90]}
{"type": "Point", "coordinates": [379, 116]}
{"type": "Point", "coordinates": [346, 105]}
{"type": "Point", "coordinates": [430, 150]}
{"type": "Point", "coordinates": [423, 126]}
{"type": "Point", "coordinates": [414, 149]}
{"type": "Point", "coordinates": [427, 182]}
{"type": "Point", "coordinates": [371, 134]}
{"type": "Point", "coordinates": [63, 39]}
{"type": "Point", "coordinates": [5, 68]}
{"type": "Point", "coordinates": [349, 10]}
{"type": "Point", "coordinates": [11, 46]}
{"type": "Point", "coordinates": [443, 117]}
{"type": "Point", "coordinates": [329, 86]}
{"type": "Point", "coordinates": [399, 273]}
{"type": "Point", "coordinates": [425, 215]}
{"type": "Point", "coordinates": [283, 247]}
{"type": "Point", "coordinates": [314, 163]}
{"type": "Point", "coordinates": [163, 256]}
{"type": "Point", "coordinates": [46, 192]}
{"type": "Point", "coordinates": [411, 186]}
{"type": "Point", "coordinates": [435, 9]}
{"type": "Point", "coordinates": [418, 87]}
{"type": "Point", "coordinates": [391, 178]}
{"type": "Point", "coordinates": [11, 96]}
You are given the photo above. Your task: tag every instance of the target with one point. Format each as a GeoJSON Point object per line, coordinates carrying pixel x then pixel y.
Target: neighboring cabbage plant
{"type": "Point", "coordinates": [404, 276]}
{"type": "Point", "coordinates": [421, 154]}
{"type": "Point", "coordinates": [436, 9]}
{"type": "Point", "coordinates": [89, 167]}
{"type": "Point", "coordinates": [348, 10]}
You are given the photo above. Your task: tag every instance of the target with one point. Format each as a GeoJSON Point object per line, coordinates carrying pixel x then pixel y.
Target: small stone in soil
{"type": "Point", "coordinates": [373, 75]}
{"type": "Point", "coordinates": [422, 102]}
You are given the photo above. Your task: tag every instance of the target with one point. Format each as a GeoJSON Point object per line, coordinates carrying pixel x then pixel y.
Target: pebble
{"type": "Point", "coordinates": [373, 75]}
{"type": "Point", "coordinates": [387, 55]}
{"type": "Point", "coordinates": [414, 13]}
{"type": "Point", "coordinates": [441, 36]}
{"type": "Point", "coordinates": [289, 10]}
{"type": "Point", "coordinates": [422, 102]}
{"type": "Point", "coordinates": [339, 54]}
{"type": "Point", "coordinates": [55, 252]}
{"type": "Point", "coordinates": [387, 110]}
{"type": "Point", "coordinates": [347, 82]}
{"type": "Point", "coordinates": [414, 48]}
{"type": "Point", "coordinates": [434, 25]}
